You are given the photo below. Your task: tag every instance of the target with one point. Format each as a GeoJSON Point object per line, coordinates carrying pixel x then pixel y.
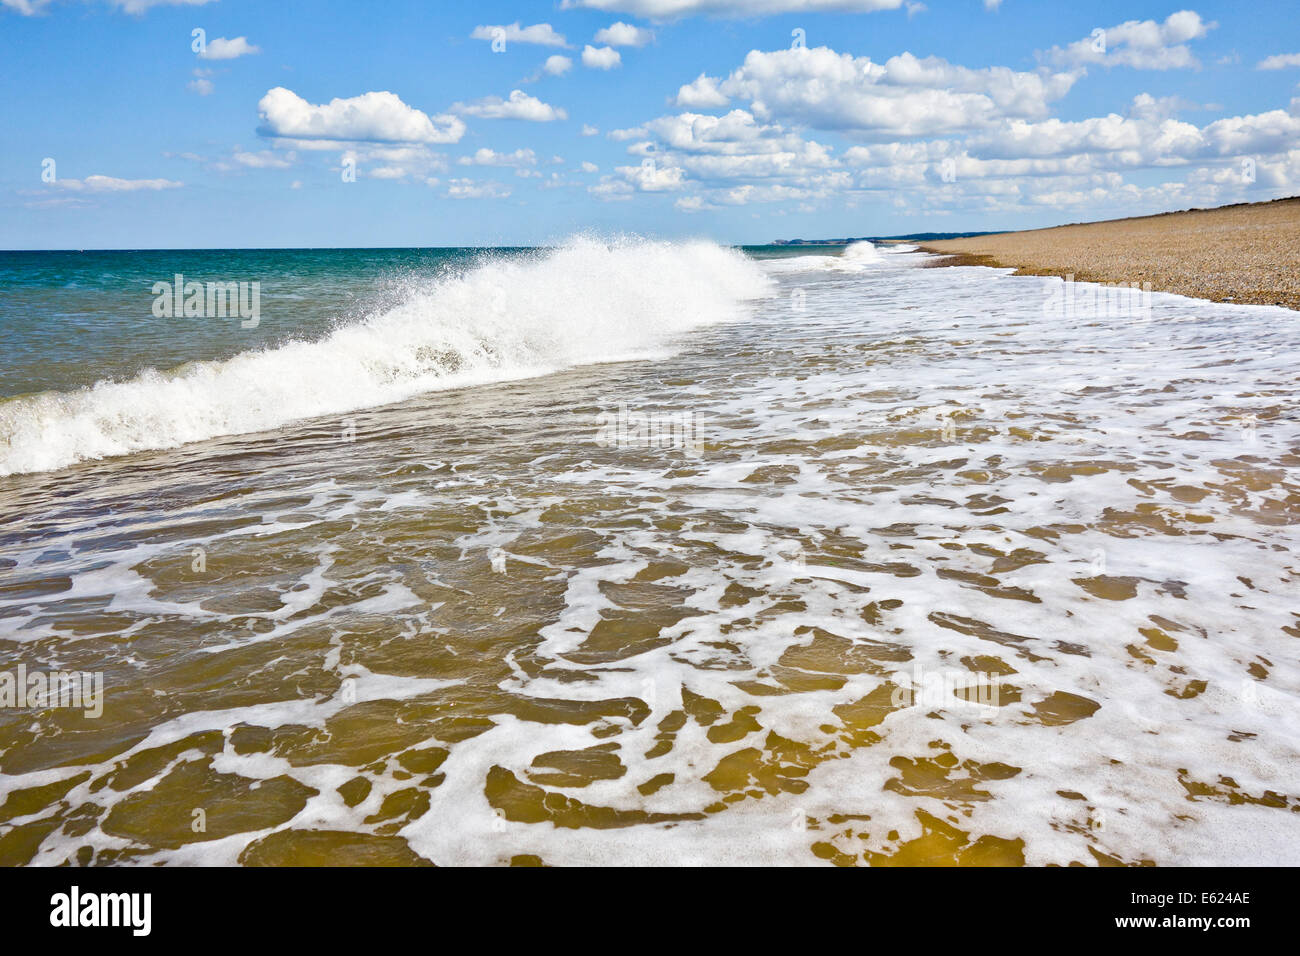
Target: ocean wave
{"type": "Point", "coordinates": [855, 257]}
{"type": "Point", "coordinates": [585, 301]}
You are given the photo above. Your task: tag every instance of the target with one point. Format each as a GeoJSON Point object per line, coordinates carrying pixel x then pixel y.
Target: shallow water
{"type": "Point", "coordinates": [938, 577]}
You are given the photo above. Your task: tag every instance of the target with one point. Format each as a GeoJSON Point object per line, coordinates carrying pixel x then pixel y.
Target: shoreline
{"type": "Point", "coordinates": [1243, 254]}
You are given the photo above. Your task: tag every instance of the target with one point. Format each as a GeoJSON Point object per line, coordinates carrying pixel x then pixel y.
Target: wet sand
{"type": "Point", "coordinates": [1245, 253]}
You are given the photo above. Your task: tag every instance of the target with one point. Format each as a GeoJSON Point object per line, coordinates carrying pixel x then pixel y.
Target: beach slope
{"type": "Point", "coordinates": [1243, 253]}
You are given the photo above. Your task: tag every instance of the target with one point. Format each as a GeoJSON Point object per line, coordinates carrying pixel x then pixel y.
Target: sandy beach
{"type": "Point", "coordinates": [1245, 253]}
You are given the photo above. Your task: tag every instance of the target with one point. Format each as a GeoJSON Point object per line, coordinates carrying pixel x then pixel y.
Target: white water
{"type": "Point", "coordinates": [587, 301]}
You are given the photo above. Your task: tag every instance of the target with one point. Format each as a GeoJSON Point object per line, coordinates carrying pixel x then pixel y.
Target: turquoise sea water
{"type": "Point", "coordinates": [69, 319]}
{"type": "Point", "coordinates": [73, 318]}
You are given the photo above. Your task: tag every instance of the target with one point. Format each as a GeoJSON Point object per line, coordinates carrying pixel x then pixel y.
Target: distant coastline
{"type": "Point", "coordinates": [913, 237]}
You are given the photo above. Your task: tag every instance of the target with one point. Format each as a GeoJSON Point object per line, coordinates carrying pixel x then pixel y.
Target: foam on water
{"type": "Point", "coordinates": [587, 301]}
{"type": "Point", "coordinates": [695, 658]}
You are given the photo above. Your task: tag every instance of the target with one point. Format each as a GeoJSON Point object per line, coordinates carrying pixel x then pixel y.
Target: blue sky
{"type": "Point", "coordinates": [660, 117]}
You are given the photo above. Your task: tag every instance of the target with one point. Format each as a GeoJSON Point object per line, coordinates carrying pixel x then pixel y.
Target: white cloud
{"type": "Point", "coordinates": [992, 4]}
{"type": "Point", "coordinates": [652, 177]}
{"type": "Point", "coordinates": [589, 167]}
{"type": "Point", "coordinates": [28, 8]}
{"type": "Point", "coordinates": [1280, 61]}
{"type": "Point", "coordinates": [673, 9]}
{"type": "Point", "coordinates": [488, 157]}
{"type": "Point", "coordinates": [223, 49]}
{"type": "Point", "coordinates": [611, 188]}
{"type": "Point", "coordinates": [589, 130]}
{"type": "Point", "coordinates": [732, 159]}
{"type": "Point", "coordinates": [1140, 44]}
{"type": "Point", "coordinates": [519, 106]}
{"type": "Point", "coordinates": [623, 135]}
{"type": "Point", "coordinates": [600, 58]}
{"type": "Point", "coordinates": [201, 84]}
{"type": "Point", "coordinates": [377, 117]}
{"type": "Point", "coordinates": [394, 161]}
{"type": "Point", "coordinates": [472, 189]}
{"type": "Point", "coordinates": [904, 97]}
{"type": "Point", "coordinates": [1081, 164]}
{"type": "Point", "coordinates": [1273, 132]}
{"type": "Point", "coordinates": [557, 65]}
{"type": "Point", "coordinates": [623, 34]}
{"type": "Point", "coordinates": [141, 6]}
{"type": "Point", "coordinates": [110, 184]}
{"type": "Point", "coordinates": [1146, 137]}
{"type": "Point", "coordinates": [748, 193]}
{"type": "Point", "coordinates": [263, 159]}
{"type": "Point", "coordinates": [701, 93]}
{"type": "Point", "coordinates": [541, 34]}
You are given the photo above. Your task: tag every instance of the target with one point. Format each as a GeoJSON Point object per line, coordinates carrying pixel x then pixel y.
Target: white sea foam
{"type": "Point", "coordinates": [586, 301]}
{"type": "Point", "coordinates": [856, 257]}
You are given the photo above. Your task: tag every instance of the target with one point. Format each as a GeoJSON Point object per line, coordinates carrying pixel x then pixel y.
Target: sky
{"type": "Point", "coordinates": [337, 123]}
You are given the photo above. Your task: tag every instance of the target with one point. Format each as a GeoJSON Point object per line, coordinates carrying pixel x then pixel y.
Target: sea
{"type": "Point", "coordinates": [636, 552]}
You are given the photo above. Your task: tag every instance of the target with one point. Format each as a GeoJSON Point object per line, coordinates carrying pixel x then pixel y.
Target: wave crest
{"type": "Point", "coordinates": [585, 301]}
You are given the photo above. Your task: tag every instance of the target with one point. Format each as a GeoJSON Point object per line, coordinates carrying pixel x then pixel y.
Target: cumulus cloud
{"type": "Point", "coordinates": [541, 34]}
{"type": "Point", "coordinates": [701, 93]}
{"type": "Point", "coordinates": [223, 49]}
{"type": "Point", "coordinates": [650, 176]}
{"type": "Point", "coordinates": [1140, 44]}
{"type": "Point", "coordinates": [557, 65]}
{"type": "Point", "coordinates": [262, 159]}
{"type": "Point", "coordinates": [1070, 164]}
{"type": "Point", "coordinates": [673, 9]}
{"type": "Point", "coordinates": [142, 6]}
{"type": "Point", "coordinates": [110, 184]}
{"type": "Point", "coordinates": [623, 34]}
{"type": "Point", "coordinates": [906, 96]}
{"type": "Point", "coordinates": [377, 117]}
{"type": "Point", "coordinates": [476, 189]}
{"type": "Point", "coordinates": [489, 157]}
{"type": "Point", "coordinates": [622, 135]}
{"type": "Point", "coordinates": [28, 8]}
{"type": "Point", "coordinates": [518, 106]}
{"type": "Point", "coordinates": [732, 159]}
{"type": "Point", "coordinates": [600, 58]}
{"type": "Point", "coordinates": [399, 162]}
{"type": "Point", "coordinates": [1280, 61]}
